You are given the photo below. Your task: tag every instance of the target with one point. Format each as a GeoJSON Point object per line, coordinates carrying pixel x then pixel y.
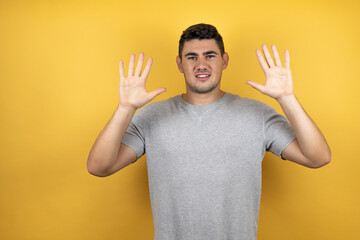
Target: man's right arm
{"type": "Point", "coordinates": [108, 155]}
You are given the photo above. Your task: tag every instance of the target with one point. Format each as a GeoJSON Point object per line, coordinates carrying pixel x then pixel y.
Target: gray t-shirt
{"type": "Point", "coordinates": [204, 164]}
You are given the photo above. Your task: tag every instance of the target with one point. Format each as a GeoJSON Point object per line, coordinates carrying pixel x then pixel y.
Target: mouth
{"type": "Point", "coordinates": [202, 76]}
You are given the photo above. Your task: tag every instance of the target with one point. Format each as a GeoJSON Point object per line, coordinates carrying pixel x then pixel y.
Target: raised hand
{"type": "Point", "coordinates": [278, 79]}
{"type": "Point", "coordinates": [132, 91]}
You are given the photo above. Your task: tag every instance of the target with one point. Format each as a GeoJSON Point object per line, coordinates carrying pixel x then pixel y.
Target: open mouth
{"type": "Point", "coordinates": [203, 76]}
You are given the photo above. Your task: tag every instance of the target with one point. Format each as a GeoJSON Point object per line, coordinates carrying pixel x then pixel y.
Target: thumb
{"type": "Point", "coordinates": [155, 93]}
{"type": "Point", "coordinates": [257, 86]}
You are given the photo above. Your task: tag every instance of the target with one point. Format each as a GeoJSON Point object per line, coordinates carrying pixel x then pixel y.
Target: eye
{"type": "Point", "coordinates": [210, 56]}
{"type": "Point", "coordinates": [191, 58]}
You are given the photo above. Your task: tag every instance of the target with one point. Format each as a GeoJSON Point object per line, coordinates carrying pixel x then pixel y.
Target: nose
{"type": "Point", "coordinates": [201, 64]}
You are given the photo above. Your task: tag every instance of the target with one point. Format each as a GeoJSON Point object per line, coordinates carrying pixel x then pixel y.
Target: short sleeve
{"type": "Point", "coordinates": [134, 136]}
{"type": "Point", "coordinates": [277, 131]}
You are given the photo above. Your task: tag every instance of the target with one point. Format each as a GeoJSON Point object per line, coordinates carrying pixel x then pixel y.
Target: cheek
{"type": "Point", "coordinates": [187, 74]}
{"type": "Point", "coordinates": [188, 69]}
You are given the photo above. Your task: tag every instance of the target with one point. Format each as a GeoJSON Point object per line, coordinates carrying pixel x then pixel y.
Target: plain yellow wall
{"type": "Point", "coordinates": [59, 87]}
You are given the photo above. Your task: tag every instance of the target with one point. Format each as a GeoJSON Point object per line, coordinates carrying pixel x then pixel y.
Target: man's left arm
{"type": "Point", "coordinates": [310, 147]}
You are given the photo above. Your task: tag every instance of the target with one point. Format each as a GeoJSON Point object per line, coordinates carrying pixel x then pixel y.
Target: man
{"type": "Point", "coordinates": [205, 148]}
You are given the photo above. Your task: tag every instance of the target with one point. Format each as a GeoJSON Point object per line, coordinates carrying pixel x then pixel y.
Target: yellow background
{"type": "Point", "coordinates": [59, 87]}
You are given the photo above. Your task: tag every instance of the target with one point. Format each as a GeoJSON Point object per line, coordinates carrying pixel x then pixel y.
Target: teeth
{"type": "Point", "coordinates": [203, 76]}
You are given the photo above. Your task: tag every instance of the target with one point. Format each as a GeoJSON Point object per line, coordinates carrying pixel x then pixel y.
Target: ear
{"type": "Point", "coordinates": [225, 60]}
{"type": "Point", "coordinates": [178, 62]}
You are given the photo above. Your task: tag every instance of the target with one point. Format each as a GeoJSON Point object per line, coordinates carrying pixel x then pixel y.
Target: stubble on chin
{"type": "Point", "coordinates": [202, 90]}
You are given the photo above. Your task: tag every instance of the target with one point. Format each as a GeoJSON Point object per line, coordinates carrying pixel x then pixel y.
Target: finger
{"type": "Point", "coordinates": [261, 60]}
{"type": "Point", "coordinates": [276, 56]}
{"type": "Point", "coordinates": [147, 68]}
{"type": "Point", "coordinates": [156, 92]}
{"type": "Point", "coordinates": [121, 70]}
{"type": "Point", "coordinates": [267, 56]}
{"type": "Point", "coordinates": [257, 86]}
{"type": "Point", "coordinates": [139, 65]}
{"type": "Point", "coordinates": [131, 65]}
{"type": "Point", "coordinates": [287, 59]}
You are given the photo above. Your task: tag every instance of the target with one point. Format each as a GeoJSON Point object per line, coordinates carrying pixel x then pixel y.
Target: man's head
{"type": "Point", "coordinates": [201, 31]}
{"type": "Point", "coordinates": [202, 59]}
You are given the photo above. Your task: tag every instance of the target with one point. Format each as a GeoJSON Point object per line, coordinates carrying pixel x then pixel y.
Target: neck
{"type": "Point", "coordinates": [202, 99]}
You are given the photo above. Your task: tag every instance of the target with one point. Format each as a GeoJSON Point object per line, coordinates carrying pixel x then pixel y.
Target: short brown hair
{"type": "Point", "coordinates": [201, 31]}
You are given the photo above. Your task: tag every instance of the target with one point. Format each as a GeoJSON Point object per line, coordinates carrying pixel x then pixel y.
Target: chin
{"type": "Point", "coordinates": [202, 90]}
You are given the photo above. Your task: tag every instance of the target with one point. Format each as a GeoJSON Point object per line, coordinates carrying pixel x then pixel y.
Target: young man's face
{"type": "Point", "coordinates": [202, 65]}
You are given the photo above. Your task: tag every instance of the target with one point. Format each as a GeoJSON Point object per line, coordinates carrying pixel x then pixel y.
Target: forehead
{"type": "Point", "coordinates": [200, 46]}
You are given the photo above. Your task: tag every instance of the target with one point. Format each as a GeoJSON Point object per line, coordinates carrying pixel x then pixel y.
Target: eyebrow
{"type": "Point", "coordinates": [204, 54]}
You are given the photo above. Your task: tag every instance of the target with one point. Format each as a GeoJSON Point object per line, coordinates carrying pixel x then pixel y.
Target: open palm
{"type": "Point", "coordinates": [132, 91]}
{"type": "Point", "coordinates": [278, 79]}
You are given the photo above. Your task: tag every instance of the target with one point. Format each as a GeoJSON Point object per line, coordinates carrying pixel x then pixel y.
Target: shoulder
{"type": "Point", "coordinates": [247, 104]}
{"type": "Point", "coordinates": [159, 107]}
